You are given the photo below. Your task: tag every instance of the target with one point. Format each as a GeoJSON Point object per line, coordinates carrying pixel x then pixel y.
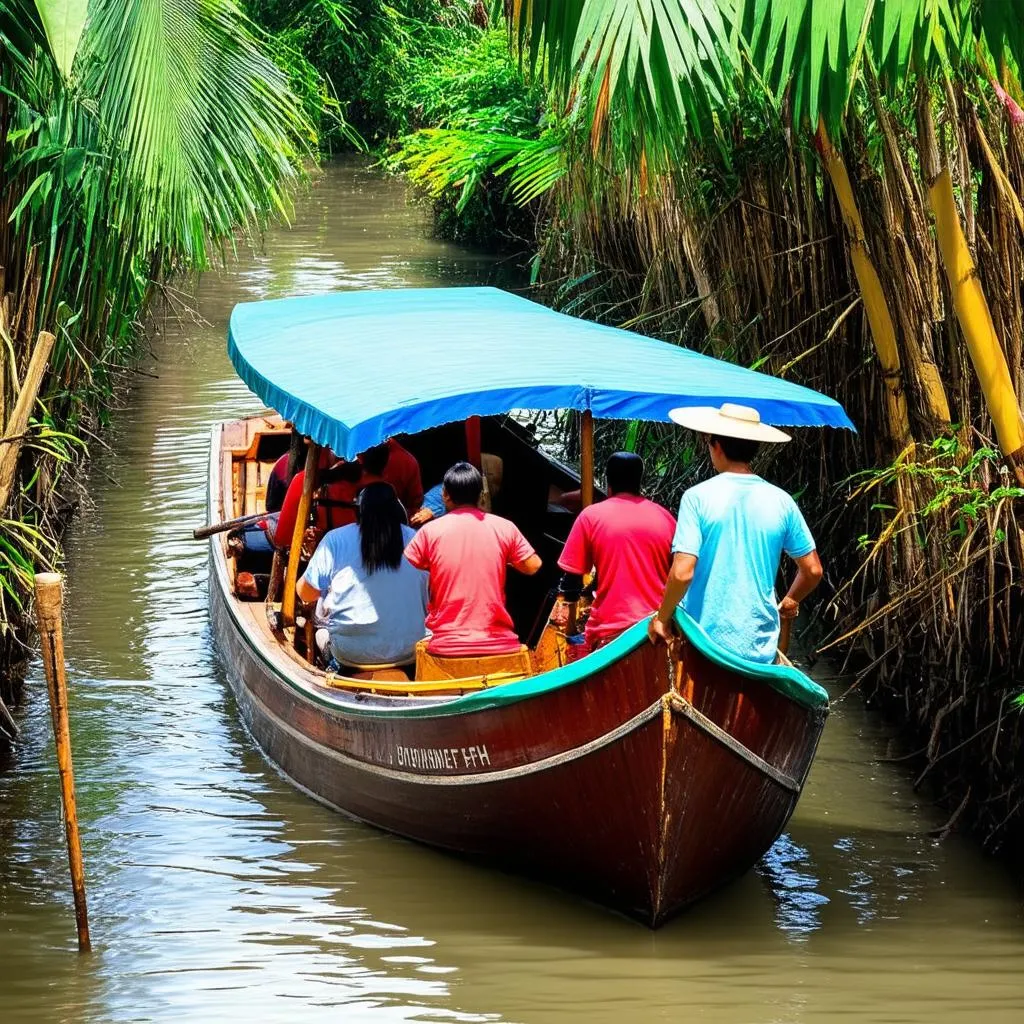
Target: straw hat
{"type": "Point", "coordinates": [729, 421]}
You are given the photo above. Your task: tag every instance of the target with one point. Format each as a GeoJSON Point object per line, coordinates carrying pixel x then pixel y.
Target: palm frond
{"type": "Point", "coordinates": [206, 124]}
{"type": "Point", "coordinates": [442, 160]}
{"type": "Point", "coordinates": [642, 73]}
{"type": "Point", "coordinates": [63, 21]}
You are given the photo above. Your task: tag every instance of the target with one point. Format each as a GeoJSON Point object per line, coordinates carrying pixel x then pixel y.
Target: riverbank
{"type": "Point", "coordinates": [840, 259]}
{"type": "Point", "coordinates": [217, 891]}
{"type": "Point", "coordinates": [111, 188]}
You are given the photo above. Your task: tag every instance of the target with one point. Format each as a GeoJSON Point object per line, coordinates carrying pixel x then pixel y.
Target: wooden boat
{"type": "Point", "coordinates": [640, 776]}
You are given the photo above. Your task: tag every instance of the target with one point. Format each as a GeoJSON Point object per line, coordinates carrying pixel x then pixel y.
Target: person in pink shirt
{"type": "Point", "coordinates": [628, 540]}
{"type": "Point", "coordinates": [467, 552]}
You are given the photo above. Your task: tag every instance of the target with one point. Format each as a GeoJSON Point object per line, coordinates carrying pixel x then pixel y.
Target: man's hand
{"type": "Point", "coordinates": [788, 608]}
{"type": "Point", "coordinates": [421, 516]}
{"type": "Point", "coordinates": [658, 631]}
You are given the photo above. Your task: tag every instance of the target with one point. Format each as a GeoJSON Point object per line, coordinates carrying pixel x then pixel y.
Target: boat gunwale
{"type": "Point", "coordinates": [786, 680]}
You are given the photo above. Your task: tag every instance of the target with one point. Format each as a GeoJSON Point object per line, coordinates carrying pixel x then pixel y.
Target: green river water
{"type": "Point", "coordinates": [219, 892]}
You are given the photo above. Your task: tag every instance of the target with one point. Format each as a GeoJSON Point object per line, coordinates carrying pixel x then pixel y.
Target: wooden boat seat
{"type": "Point", "coordinates": [381, 675]}
{"type": "Point", "coordinates": [516, 664]}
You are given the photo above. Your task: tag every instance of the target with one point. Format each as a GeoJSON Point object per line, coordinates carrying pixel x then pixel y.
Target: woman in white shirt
{"type": "Point", "coordinates": [370, 600]}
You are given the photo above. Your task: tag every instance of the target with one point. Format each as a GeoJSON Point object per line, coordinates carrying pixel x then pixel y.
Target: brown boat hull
{"type": "Point", "coordinates": [639, 777]}
{"type": "Point", "coordinates": [604, 787]}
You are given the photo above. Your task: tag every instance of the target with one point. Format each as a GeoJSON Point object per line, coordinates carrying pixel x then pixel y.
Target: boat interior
{"type": "Point", "coordinates": [521, 491]}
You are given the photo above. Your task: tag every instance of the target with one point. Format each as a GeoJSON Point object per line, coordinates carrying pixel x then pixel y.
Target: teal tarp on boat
{"type": "Point", "coordinates": [351, 369]}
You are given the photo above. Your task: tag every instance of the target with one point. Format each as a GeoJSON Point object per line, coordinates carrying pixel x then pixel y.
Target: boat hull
{"type": "Point", "coordinates": [639, 776]}
{"type": "Point", "coordinates": [604, 787]}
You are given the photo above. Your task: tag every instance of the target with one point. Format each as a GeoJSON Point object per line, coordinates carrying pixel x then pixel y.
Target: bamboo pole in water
{"type": "Point", "coordinates": [48, 616]}
{"type": "Point", "coordinates": [587, 458]}
{"type": "Point", "coordinates": [291, 575]}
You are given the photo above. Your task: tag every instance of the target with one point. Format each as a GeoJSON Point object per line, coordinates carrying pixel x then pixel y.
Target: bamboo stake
{"type": "Point", "coordinates": [48, 615]}
{"type": "Point", "coordinates": [291, 574]}
{"type": "Point", "coordinates": [587, 458]}
{"type": "Point", "coordinates": [20, 414]}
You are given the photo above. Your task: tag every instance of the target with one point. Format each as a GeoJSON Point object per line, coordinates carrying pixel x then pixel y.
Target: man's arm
{"type": "Point", "coordinates": [808, 576]}
{"type": "Point", "coordinates": [529, 566]}
{"type": "Point", "coordinates": [306, 591]}
{"type": "Point", "coordinates": [680, 575]}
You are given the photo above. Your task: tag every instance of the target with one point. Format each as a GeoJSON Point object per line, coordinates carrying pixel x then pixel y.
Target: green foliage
{"type": "Point", "coordinates": [476, 86]}
{"type": "Point", "coordinates": [480, 150]}
{"type": "Point", "coordinates": [352, 60]}
{"type": "Point", "coordinates": [172, 131]}
{"type": "Point", "coordinates": [662, 66]}
{"type": "Point", "coordinates": [205, 124]}
{"type": "Point", "coordinates": [648, 75]}
{"type": "Point", "coordinates": [962, 483]}
{"type": "Point", "coordinates": [63, 21]}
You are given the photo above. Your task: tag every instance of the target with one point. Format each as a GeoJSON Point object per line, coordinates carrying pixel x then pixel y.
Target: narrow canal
{"type": "Point", "coordinates": [219, 892]}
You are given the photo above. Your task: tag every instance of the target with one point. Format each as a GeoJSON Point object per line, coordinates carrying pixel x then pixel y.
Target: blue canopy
{"type": "Point", "coordinates": [351, 369]}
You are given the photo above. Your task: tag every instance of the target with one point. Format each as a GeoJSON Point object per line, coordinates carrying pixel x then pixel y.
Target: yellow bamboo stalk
{"type": "Point", "coordinates": [969, 300]}
{"type": "Point", "coordinates": [883, 333]}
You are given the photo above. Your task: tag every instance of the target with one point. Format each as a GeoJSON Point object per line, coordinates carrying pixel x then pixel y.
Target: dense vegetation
{"type": "Point", "coordinates": [112, 183]}
{"type": "Point", "coordinates": [829, 191]}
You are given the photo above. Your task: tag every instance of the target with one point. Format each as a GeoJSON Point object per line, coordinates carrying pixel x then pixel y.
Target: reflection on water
{"type": "Point", "coordinates": [218, 892]}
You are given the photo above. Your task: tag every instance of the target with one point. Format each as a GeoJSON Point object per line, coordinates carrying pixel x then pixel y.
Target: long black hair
{"type": "Point", "coordinates": [381, 518]}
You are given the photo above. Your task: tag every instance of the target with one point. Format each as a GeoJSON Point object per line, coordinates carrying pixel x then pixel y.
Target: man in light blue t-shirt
{"type": "Point", "coordinates": [729, 540]}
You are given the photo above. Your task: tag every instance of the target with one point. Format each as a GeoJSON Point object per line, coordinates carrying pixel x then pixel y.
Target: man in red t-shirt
{"type": "Point", "coordinates": [402, 471]}
{"type": "Point", "coordinates": [467, 552]}
{"type": "Point", "coordinates": [628, 540]}
{"type": "Point", "coordinates": [341, 483]}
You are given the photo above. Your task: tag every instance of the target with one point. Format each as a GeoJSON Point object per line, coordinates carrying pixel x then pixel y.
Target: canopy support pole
{"type": "Point", "coordinates": [473, 442]}
{"type": "Point", "coordinates": [291, 574]}
{"type": "Point", "coordinates": [587, 458]}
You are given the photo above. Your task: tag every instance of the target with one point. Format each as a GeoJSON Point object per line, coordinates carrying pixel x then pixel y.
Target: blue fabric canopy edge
{"type": "Point", "coordinates": [351, 369]}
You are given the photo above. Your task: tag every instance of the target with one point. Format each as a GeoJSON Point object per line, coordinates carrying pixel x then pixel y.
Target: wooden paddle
{"type": "Point", "coordinates": [201, 532]}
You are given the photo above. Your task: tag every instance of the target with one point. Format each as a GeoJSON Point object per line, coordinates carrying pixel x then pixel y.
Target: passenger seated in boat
{"type": "Point", "coordinates": [627, 539]}
{"type": "Point", "coordinates": [277, 484]}
{"type": "Point", "coordinates": [433, 501]}
{"type": "Point", "coordinates": [335, 498]}
{"type": "Point", "coordinates": [467, 553]}
{"type": "Point", "coordinates": [730, 537]}
{"type": "Point", "coordinates": [370, 600]}
{"type": "Point", "coordinates": [433, 507]}
{"type": "Point", "coordinates": [402, 471]}
{"type": "Point", "coordinates": [341, 483]}
{"type": "Point", "coordinates": [259, 536]}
